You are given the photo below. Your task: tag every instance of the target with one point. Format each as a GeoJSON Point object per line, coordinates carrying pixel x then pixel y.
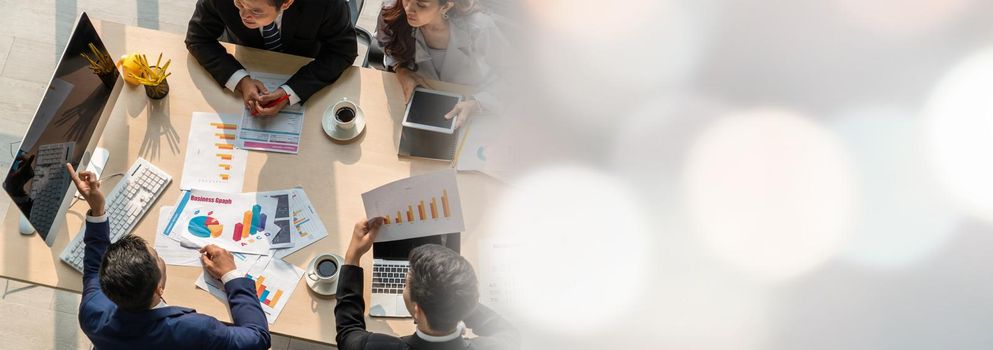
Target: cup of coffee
{"type": "Point", "coordinates": [345, 112]}
{"type": "Point", "coordinates": [324, 268]}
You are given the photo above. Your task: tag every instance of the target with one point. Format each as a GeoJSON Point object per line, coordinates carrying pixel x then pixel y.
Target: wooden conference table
{"type": "Point", "coordinates": [333, 175]}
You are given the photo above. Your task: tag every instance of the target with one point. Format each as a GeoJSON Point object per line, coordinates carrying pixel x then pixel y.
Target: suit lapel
{"type": "Point", "coordinates": [423, 58]}
{"type": "Point", "coordinates": [292, 18]}
{"type": "Point", "coordinates": [457, 55]}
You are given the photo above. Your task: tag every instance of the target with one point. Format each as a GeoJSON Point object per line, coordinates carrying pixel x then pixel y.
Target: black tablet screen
{"type": "Point", "coordinates": [429, 109]}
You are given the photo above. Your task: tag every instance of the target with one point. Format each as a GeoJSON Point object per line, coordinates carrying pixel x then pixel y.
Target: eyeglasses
{"type": "Point", "coordinates": [253, 12]}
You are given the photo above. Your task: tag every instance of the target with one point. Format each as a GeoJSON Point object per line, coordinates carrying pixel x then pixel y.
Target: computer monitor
{"type": "Point", "coordinates": [65, 129]}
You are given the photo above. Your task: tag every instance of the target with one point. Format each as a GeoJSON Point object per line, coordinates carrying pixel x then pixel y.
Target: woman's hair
{"type": "Point", "coordinates": [396, 35]}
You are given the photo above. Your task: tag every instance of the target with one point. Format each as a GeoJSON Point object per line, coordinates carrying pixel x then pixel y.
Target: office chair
{"type": "Point", "coordinates": [374, 55]}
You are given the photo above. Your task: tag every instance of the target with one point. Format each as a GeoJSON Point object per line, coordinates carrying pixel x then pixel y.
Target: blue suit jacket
{"type": "Point", "coordinates": [169, 327]}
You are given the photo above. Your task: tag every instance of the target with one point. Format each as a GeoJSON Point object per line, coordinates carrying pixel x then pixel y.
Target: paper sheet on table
{"type": "Point", "coordinates": [275, 282]}
{"type": "Point", "coordinates": [212, 161]}
{"type": "Point", "coordinates": [483, 149]}
{"type": "Point", "coordinates": [417, 206]}
{"type": "Point", "coordinates": [306, 226]}
{"type": "Point", "coordinates": [238, 222]}
{"type": "Point", "coordinates": [279, 133]}
{"type": "Point", "coordinates": [214, 286]}
{"type": "Point", "coordinates": [499, 267]}
{"type": "Point", "coordinates": [170, 250]}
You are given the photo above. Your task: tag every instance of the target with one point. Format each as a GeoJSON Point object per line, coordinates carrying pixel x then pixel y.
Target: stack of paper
{"type": "Point", "coordinates": [243, 224]}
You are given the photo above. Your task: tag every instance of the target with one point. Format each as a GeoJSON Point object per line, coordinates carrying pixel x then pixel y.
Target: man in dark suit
{"type": "Point", "coordinates": [320, 29]}
{"type": "Point", "coordinates": [122, 305]}
{"type": "Point", "coordinates": [442, 295]}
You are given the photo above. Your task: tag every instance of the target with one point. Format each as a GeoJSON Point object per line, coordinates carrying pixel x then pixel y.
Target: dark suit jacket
{"type": "Point", "coordinates": [494, 331]}
{"type": "Point", "coordinates": [320, 29]}
{"type": "Point", "coordinates": [170, 327]}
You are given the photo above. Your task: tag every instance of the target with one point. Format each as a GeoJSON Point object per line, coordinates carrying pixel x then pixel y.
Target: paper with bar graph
{"type": "Point", "coordinates": [275, 281]}
{"type": "Point", "coordinates": [417, 206]}
{"type": "Point", "coordinates": [212, 161]}
{"type": "Point", "coordinates": [306, 226]}
{"type": "Point", "coordinates": [238, 222]}
{"type": "Point", "coordinates": [214, 286]}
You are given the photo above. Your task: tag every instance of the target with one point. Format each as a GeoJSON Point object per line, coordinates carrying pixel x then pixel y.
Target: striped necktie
{"type": "Point", "coordinates": [271, 37]}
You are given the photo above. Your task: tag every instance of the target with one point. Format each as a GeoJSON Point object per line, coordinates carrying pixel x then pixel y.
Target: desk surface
{"type": "Point", "coordinates": [333, 175]}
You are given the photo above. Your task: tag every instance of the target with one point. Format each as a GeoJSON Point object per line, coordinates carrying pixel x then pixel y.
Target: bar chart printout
{"type": "Point", "coordinates": [417, 206]}
{"type": "Point", "coordinates": [212, 161]}
{"type": "Point", "coordinates": [275, 281]}
{"type": "Point", "coordinates": [237, 222]}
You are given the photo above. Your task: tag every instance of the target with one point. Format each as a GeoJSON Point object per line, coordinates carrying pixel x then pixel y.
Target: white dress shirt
{"type": "Point", "coordinates": [241, 73]}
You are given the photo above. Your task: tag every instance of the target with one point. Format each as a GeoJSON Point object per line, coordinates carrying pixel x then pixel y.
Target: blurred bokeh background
{"type": "Point", "coordinates": [752, 174]}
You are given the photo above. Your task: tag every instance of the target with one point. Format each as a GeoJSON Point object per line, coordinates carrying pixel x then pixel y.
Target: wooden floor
{"type": "Point", "coordinates": [33, 34]}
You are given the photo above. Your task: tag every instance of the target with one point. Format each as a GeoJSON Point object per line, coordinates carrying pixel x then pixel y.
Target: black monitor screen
{"type": "Point", "coordinates": [61, 130]}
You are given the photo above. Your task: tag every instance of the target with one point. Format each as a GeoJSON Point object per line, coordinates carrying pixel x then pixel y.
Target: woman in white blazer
{"type": "Point", "coordinates": [446, 40]}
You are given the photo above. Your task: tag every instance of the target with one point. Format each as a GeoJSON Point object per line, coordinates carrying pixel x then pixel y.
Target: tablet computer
{"type": "Point", "coordinates": [427, 108]}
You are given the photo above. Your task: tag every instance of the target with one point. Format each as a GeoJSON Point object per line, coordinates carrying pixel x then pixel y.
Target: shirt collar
{"type": "Point", "coordinates": [160, 305]}
{"type": "Point", "coordinates": [443, 338]}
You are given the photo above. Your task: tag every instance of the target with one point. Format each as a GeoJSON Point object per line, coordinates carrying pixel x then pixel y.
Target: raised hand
{"type": "Point", "coordinates": [89, 187]}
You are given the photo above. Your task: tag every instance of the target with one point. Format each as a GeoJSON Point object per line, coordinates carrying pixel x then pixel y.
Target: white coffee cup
{"type": "Point", "coordinates": [325, 268]}
{"type": "Point", "coordinates": [345, 112]}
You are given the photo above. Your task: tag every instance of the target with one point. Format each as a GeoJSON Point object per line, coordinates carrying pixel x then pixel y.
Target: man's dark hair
{"type": "Point", "coordinates": [277, 3]}
{"type": "Point", "coordinates": [130, 274]}
{"type": "Point", "coordinates": [443, 284]}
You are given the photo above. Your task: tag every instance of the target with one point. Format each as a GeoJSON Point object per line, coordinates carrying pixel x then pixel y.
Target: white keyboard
{"type": "Point", "coordinates": [126, 205]}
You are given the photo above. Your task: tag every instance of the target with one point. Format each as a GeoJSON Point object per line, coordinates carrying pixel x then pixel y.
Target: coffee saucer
{"type": "Point", "coordinates": [325, 289]}
{"type": "Point", "coordinates": [341, 134]}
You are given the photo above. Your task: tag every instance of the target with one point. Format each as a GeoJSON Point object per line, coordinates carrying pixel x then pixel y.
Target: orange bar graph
{"type": "Point", "coordinates": [434, 208]}
{"type": "Point", "coordinates": [225, 176]}
{"type": "Point", "coordinates": [246, 224]}
{"type": "Point", "coordinates": [420, 211]}
{"type": "Point", "coordinates": [275, 298]}
{"type": "Point", "coordinates": [259, 288]}
{"type": "Point", "coordinates": [224, 146]}
{"type": "Point", "coordinates": [225, 166]}
{"type": "Point", "coordinates": [225, 136]}
{"type": "Point", "coordinates": [224, 156]}
{"type": "Point", "coordinates": [225, 126]}
{"type": "Point", "coordinates": [410, 213]}
{"type": "Point", "coordinates": [444, 203]}
{"type": "Point", "coordinates": [399, 220]}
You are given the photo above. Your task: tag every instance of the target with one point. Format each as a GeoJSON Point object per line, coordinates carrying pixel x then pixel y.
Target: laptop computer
{"type": "Point", "coordinates": [389, 272]}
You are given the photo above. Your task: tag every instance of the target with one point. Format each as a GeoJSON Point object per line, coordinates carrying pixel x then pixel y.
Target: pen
{"type": "Point", "coordinates": [274, 103]}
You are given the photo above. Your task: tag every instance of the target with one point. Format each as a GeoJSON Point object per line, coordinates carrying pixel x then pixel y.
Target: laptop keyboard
{"type": "Point", "coordinates": [389, 278]}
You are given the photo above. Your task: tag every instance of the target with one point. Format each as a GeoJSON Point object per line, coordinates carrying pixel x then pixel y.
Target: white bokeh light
{"type": "Point", "coordinates": [583, 232]}
{"type": "Point", "coordinates": [959, 124]}
{"type": "Point", "coordinates": [903, 18]}
{"type": "Point", "coordinates": [605, 76]}
{"type": "Point", "coordinates": [903, 216]}
{"type": "Point", "coordinates": [770, 192]}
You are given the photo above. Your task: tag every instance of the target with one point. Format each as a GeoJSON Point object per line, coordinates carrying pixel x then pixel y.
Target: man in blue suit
{"type": "Point", "coordinates": [122, 305]}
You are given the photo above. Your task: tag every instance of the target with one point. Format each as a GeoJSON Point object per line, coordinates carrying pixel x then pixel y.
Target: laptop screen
{"type": "Point", "coordinates": [400, 250]}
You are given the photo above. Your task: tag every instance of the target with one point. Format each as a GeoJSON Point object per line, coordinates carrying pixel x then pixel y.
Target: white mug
{"type": "Point", "coordinates": [319, 268]}
{"type": "Point", "coordinates": [344, 103]}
